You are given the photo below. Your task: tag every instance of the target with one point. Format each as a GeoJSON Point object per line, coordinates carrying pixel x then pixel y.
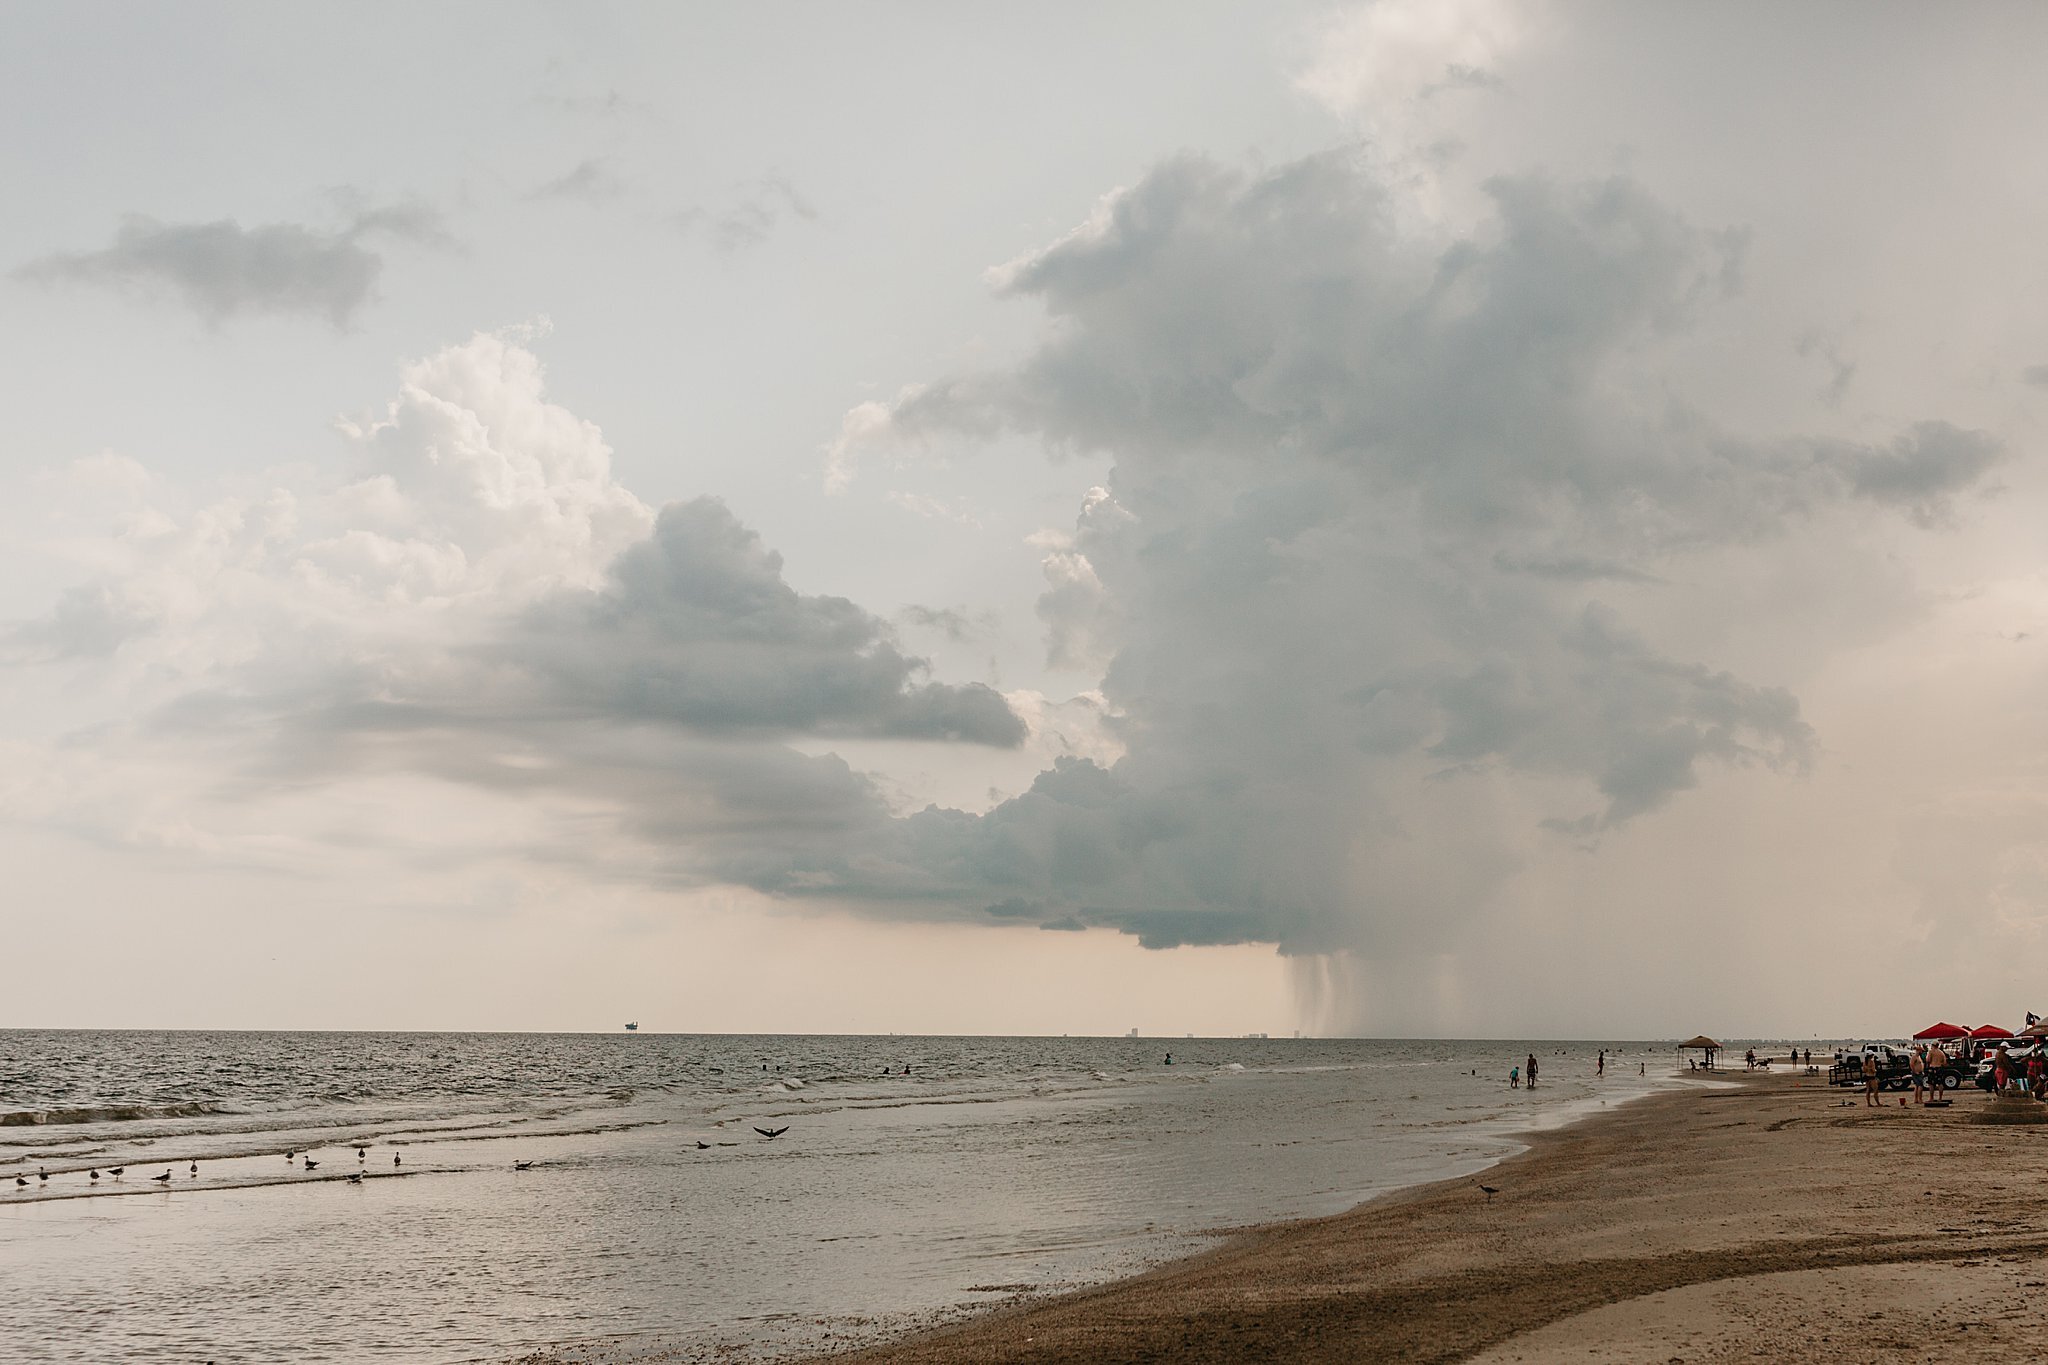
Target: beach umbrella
{"type": "Point", "coordinates": [1990, 1031]}
{"type": "Point", "coordinates": [1940, 1031]}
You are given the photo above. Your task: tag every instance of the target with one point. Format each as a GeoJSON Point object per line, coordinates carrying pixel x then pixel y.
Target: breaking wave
{"type": "Point", "coordinates": [110, 1113]}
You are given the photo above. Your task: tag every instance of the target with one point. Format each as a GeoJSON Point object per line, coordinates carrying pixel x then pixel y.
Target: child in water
{"type": "Point", "coordinates": [1514, 1078]}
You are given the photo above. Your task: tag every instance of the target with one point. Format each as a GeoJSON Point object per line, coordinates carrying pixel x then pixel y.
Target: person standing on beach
{"type": "Point", "coordinates": [1870, 1100]}
{"type": "Point", "coordinates": [1918, 1066]}
{"type": "Point", "coordinates": [1532, 1070]}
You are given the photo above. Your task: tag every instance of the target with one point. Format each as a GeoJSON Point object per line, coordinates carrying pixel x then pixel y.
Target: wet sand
{"type": "Point", "coordinates": [1764, 1219]}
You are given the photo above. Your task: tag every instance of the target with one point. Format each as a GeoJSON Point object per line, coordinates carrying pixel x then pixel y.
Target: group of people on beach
{"type": "Point", "coordinates": [1922, 1061]}
{"type": "Point", "coordinates": [2026, 1077]}
{"type": "Point", "coordinates": [1527, 1071]}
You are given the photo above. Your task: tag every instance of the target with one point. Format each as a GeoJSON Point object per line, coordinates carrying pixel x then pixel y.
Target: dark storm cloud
{"type": "Point", "coordinates": [222, 269]}
{"type": "Point", "coordinates": [1346, 571]}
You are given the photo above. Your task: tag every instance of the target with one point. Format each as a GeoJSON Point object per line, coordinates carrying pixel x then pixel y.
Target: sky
{"type": "Point", "coordinates": [1410, 519]}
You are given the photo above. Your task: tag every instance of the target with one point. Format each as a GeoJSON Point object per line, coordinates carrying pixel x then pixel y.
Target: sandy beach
{"type": "Point", "coordinates": [1770, 1217]}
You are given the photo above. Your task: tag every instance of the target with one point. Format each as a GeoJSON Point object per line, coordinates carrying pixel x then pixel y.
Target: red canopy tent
{"type": "Point", "coordinates": [1990, 1031]}
{"type": "Point", "coordinates": [1941, 1031]}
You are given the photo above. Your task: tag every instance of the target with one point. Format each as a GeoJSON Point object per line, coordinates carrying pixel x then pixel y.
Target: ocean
{"type": "Point", "coordinates": [914, 1179]}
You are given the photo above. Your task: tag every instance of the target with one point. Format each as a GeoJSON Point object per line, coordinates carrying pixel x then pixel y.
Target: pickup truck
{"type": "Point", "coordinates": [1894, 1071]}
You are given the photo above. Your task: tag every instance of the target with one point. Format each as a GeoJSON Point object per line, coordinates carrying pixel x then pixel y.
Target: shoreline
{"type": "Point", "coordinates": [1631, 1228]}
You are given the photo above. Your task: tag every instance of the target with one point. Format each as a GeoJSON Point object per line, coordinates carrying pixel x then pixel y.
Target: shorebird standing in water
{"type": "Point", "coordinates": [394, 1159]}
{"type": "Point", "coordinates": [195, 1169]}
{"type": "Point", "coordinates": [94, 1174]}
{"type": "Point", "coordinates": [115, 1171]}
{"type": "Point", "coordinates": [310, 1163]}
{"type": "Point", "coordinates": [21, 1181]}
{"type": "Point", "coordinates": [164, 1179]}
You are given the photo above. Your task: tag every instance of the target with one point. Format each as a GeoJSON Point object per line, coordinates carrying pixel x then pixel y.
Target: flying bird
{"type": "Point", "coordinates": [773, 1132]}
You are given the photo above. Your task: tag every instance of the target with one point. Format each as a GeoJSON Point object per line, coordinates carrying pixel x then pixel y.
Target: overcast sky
{"type": "Point", "coordinates": [1430, 518]}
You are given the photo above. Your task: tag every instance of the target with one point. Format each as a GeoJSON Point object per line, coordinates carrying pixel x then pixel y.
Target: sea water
{"type": "Point", "coordinates": [917, 1178]}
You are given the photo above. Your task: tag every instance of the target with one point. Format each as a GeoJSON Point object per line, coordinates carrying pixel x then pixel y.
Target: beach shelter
{"type": "Point", "coordinates": [1940, 1033]}
{"type": "Point", "coordinates": [2039, 1030]}
{"type": "Point", "coordinates": [1990, 1031]}
{"type": "Point", "coordinates": [1704, 1044]}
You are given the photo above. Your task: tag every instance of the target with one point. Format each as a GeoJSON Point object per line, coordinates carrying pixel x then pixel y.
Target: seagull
{"type": "Point", "coordinates": [1490, 1191]}
{"type": "Point", "coordinates": [310, 1163]}
{"type": "Point", "coordinates": [42, 1174]}
{"type": "Point", "coordinates": [195, 1169]}
{"type": "Point", "coordinates": [773, 1132]}
{"type": "Point", "coordinates": [116, 1171]}
{"type": "Point", "coordinates": [362, 1152]}
{"type": "Point", "coordinates": [522, 1165]}
{"type": "Point", "coordinates": [395, 1159]}
{"type": "Point", "coordinates": [356, 1178]}
{"type": "Point", "coordinates": [94, 1174]}
{"type": "Point", "coordinates": [289, 1155]}
{"type": "Point", "coordinates": [22, 1181]}
{"type": "Point", "coordinates": [163, 1179]}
